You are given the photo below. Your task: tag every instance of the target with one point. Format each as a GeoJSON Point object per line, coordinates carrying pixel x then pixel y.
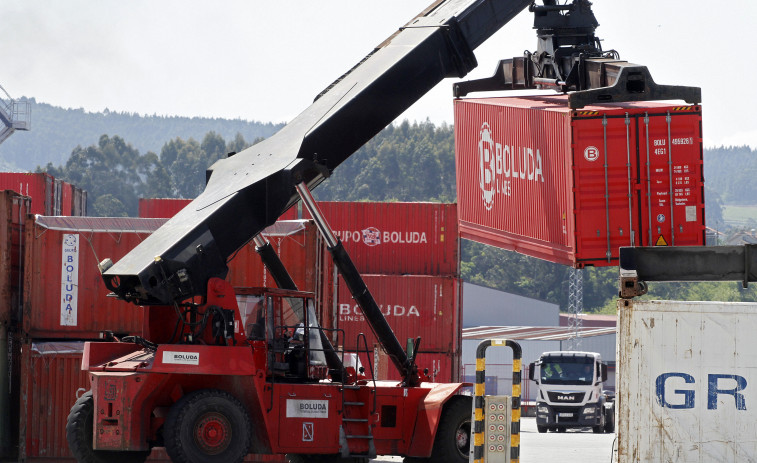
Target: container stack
{"type": "Point", "coordinates": [50, 196]}
{"type": "Point", "coordinates": [65, 304]}
{"type": "Point", "coordinates": [407, 254]}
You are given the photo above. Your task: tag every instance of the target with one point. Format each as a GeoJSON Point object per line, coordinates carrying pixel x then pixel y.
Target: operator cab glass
{"type": "Point", "coordinates": [289, 325]}
{"type": "Point", "coordinates": [568, 370]}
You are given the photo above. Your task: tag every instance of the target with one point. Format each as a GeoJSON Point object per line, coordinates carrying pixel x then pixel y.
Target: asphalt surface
{"type": "Point", "coordinates": [573, 446]}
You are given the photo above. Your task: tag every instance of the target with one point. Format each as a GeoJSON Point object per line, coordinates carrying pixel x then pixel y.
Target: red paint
{"type": "Point", "coordinates": [51, 381]}
{"type": "Point", "coordinates": [425, 306]}
{"type": "Point", "coordinates": [555, 207]}
{"type": "Point", "coordinates": [98, 238]}
{"type": "Point", "coordinates": [50, 196]}
{"type": "Point", "coordinates": [397, 238]}
{"type": "Point", "coordinates": [443, 367]}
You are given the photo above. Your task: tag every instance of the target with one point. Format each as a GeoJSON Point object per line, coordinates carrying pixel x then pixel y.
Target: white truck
{"type": "Point", "coordinates": [570, 392]}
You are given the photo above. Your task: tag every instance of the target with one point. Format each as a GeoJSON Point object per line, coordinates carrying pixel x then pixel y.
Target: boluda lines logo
{"type": "Point", "coordinates": [352, 313]}
{"type": "Point", "coordinates": [181, 358]}
{"type": "Point", "coordinates": [500, 165]}
{"type": "Point", "coordinates": [372, 236]}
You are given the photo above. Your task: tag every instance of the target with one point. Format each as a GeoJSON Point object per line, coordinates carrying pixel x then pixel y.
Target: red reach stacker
{"type": "Point", "coordinates": [222, 372]}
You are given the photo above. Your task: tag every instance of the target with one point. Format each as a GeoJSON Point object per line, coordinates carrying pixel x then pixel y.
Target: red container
{"type": "Point", "coordinates": [165, 208]}
{"type": "Point", "coordinates": [64, 296]}
{"type": "Point", "coordinates": [397, 238]}
{"type": "Point", "coordinates": [51, 381]}
{"type": "Point", "coordinates": [13, 209]}
{"type": "Point", "coordinates": [49, 195]}
{"type": "Point", "coordinates": [425, 306]}
{"type": "Point", "coordinates": [571, 187]}
{"type": "Point", "coordinates": [40, 187]}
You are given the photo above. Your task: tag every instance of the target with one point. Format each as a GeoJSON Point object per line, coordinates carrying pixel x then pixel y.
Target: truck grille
{"type": "Point", "coordinates": [566, 397]}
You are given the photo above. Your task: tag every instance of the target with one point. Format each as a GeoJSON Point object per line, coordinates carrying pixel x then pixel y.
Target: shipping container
{"type": "Point", "coordinates": [413, 305]}
{"type": "Point", "coordinates": [64, 296]}
{"type": "Point", "coordinates": [687, 373]}
{"type": "Point", "coordinates": [40, 187]}
{"type": "Point", "coordinates": [165, 208]}
{"type": "Point", "coordinates": [52, 382]}
{"type": "Point", "coordinates": [568, 186]}
{"type": "Point", "coordinates": [397, 238]}
{"type": "Point", "coordinates": [50, 196]}
{"type": "Point", "coordinates": [13, 210]}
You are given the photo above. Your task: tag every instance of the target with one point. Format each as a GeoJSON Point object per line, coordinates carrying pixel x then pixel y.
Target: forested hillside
{"type": "Point", "coordinates": [56, 131]}
{"type": "Point", "coordinates": [405, 162]}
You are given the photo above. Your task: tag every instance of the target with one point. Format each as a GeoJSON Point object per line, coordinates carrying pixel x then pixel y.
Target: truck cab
{"type": "Point", "coordinates": [570, 392]}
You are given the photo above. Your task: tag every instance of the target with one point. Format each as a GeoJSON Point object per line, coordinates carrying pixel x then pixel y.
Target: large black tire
{"type": "Point", "coordinates": [207, 426]}
{"type": "Point", "coordinates": [79, 436]}
{"type": "Point", "coordinates": [541, 429]}
{"type": "Point", "coordinates": [453, 436]}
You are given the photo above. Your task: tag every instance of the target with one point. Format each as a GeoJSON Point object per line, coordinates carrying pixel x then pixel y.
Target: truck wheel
{"type": "Point", "coordinates": [610, 423]}
{"type": "Point", "coordinates": [79, 436]}
{"type": "Point", "coordinates": [541, 429]}
{"type": "Point", "coordinates": [207, 426]}
{"type": "Point", "coordinates": [597, 429]}
{"type": "Point", "coordinates": [561, 429]}
{"type": "Point", "coordinates": [453, 436]}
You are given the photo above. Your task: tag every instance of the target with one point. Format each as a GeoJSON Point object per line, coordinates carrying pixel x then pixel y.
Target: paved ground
{"type": "Point", "coordinates": [568, 447]}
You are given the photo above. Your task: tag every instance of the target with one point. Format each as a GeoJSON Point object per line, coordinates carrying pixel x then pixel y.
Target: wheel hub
{"type": "Point", "coordinates": [213, 433]}
{"type": "Point", "coordinates": [462, 438]}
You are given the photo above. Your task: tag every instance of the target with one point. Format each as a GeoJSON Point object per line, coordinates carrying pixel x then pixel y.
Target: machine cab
{"type": "Point", "coordinates": [285, 324]}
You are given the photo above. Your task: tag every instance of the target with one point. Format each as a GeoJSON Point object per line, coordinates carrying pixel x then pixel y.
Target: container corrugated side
{"type": "Point", "coordinates": [686, 380]}
{"type": "Point", "coordinates": [413, 305]}
{"type": "Point", "coordinates": [64, 296]}
{"type": "Point", "coordinates": [13, 209]}
{"type": "Point", "coordinates": [38, 186]}
{"type": "Point", "coordinates": [513, 178]}
{"type": "Point", "coordinates": [397, 238]}
{"type": "Point", "coordinates": [6, 252]}
{"type": "Point", "coordinates": [572, 187]}
{"type": "Point", "coordinates": [51, 381]}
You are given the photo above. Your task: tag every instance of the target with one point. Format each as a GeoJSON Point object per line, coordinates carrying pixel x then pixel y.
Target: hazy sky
{"type": "Point", "coordinates": [266, 60]}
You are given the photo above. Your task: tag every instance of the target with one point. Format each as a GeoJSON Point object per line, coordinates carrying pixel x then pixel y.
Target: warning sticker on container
{"type": "Point", "coordinates": [661, 241]}
{"type": "Point", "coordinates": [307, 408]}
{"type": "Point", "coordinates": [69, 280]}
{"type": "Point", "coordinates": [691, 213]}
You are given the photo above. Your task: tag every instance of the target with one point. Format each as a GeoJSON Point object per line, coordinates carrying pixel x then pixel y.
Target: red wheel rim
{"type": "Point", "coordinates": [213, 433]}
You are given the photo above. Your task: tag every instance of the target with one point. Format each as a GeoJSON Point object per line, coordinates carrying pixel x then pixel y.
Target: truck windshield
{"type": "Point", "coordinates": [567, 370]}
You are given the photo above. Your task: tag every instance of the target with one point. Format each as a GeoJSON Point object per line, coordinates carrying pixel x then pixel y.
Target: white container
{"type": "Point", "coordinates": [687, 388]}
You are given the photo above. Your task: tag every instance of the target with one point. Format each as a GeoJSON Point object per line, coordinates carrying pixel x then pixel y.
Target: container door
{"type": "Point", "coordinates": [606, 178]}
{"type": "Point", "coordinates": [673, 185]}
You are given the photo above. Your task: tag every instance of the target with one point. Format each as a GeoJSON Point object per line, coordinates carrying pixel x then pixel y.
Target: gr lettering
{"type": "Point", "coordinates": [717, 384]}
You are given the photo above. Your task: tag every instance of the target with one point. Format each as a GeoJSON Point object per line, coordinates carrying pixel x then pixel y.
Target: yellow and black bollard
{"type": "Point", "coordinates": [478, 401]}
